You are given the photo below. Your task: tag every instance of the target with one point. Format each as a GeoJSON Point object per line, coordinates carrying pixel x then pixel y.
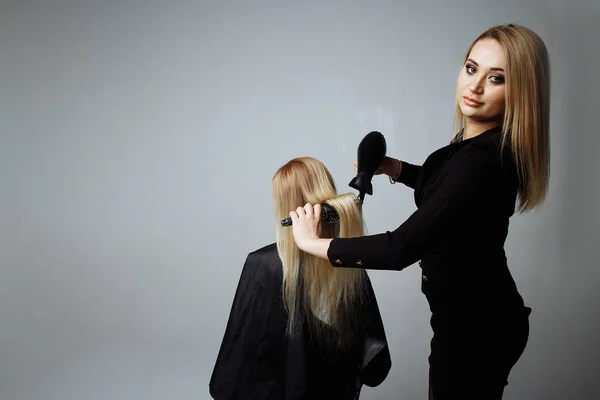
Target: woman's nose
{"type": "Point", "coordinates": [476, 86]}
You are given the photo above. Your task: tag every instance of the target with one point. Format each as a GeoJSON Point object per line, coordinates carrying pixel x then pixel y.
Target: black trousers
{"type": "Point", "coordinates": [480, 370]}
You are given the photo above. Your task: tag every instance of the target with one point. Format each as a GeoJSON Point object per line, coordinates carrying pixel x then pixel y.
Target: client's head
{"type": "Point", "coordinates": [311, 286]}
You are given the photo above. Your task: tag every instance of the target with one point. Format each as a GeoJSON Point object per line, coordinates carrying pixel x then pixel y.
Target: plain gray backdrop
{"type": "Point", "coordinates": [138, 142]}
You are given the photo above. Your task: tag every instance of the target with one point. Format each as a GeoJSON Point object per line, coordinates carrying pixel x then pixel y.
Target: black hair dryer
{"type": "Point", "coordinates": [370, 154]}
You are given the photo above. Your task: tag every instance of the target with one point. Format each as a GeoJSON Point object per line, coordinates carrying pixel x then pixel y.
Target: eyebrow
{"type": "Point", "coordinates": [491, 69]}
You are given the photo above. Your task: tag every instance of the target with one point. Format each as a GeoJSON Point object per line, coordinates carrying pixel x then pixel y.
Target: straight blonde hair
{"type": "Point", "coordinates": [312, 286]}
{"type": "Point", "coordinates": [527, 109]}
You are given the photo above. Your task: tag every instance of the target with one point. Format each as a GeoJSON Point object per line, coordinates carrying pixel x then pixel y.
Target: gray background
{"type": "Point", "coordinates": [138, 142]}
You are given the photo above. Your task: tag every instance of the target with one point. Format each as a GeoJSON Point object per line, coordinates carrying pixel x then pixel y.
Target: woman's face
{"type": "Point", "coordinates": [480, 90]}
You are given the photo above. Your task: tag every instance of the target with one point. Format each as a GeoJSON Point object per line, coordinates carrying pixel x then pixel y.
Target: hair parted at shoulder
{"type": "Point", "coordinates": [527, 108]}
{"type": "Point", "coordinates": [312, 286]}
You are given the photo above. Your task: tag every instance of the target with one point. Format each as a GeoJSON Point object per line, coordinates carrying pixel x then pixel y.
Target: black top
{"type": "Point", "coordinates": [465, 194]}
{"type": "Point", "coordinates": [258, 361]}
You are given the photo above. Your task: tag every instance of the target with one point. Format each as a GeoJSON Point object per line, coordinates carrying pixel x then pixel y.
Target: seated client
{"type": "Point", "coordinates": [299, 328]}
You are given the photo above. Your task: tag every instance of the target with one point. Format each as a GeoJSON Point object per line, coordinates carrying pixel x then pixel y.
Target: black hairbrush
{"type": "Point", "coordinates": [328, 214]}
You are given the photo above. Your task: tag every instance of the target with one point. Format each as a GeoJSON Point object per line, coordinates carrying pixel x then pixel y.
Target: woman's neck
{"type": "Point", "coordinates": [476, 128]}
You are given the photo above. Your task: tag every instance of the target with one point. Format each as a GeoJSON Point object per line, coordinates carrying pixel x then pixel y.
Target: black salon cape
{"type": "Point", "coordinates": [257, 361]}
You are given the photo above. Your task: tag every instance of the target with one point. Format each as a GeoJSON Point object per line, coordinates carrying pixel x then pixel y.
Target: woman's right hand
{"type": "Point", "coordinates": [389, 166]}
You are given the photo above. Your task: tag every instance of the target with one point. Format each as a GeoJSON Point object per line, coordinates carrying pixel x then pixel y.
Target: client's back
{"type": "Point", "coordinates": [299, 328]}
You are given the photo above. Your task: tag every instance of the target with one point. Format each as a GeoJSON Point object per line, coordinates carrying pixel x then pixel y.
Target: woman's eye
{"type": "Point", "coordinates": [497, 79]}
{"type": "Point", "coordinates": [470, 69]}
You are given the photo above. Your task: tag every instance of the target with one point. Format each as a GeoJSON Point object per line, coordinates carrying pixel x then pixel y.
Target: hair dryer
{"type": "Point", "coordinates": [370, 154]}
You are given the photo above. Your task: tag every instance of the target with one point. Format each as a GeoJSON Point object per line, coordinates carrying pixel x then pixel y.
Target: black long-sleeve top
{"type": "Point", "coordinates": [465, 194]}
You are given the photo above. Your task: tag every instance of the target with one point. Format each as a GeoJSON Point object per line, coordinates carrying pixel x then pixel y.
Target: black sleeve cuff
{"type": "Point", "coordinates": [409, 174]}
{"type": "Point", "coordinates": [368, 252]}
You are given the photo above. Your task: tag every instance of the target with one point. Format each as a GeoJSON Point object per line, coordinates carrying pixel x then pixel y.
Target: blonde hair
{"type": "Point", "coordinates": [312, 286]}
{"type": "Point", "coordinates": [527, 109]}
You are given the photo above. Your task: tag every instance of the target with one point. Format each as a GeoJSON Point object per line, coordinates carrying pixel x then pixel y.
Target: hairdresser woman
{"type": "Point", "coordinates": [497, 163]}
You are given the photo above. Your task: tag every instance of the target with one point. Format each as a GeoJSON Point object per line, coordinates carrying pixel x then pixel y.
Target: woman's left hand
{"type": "Point", "coordinates": [305, 224]}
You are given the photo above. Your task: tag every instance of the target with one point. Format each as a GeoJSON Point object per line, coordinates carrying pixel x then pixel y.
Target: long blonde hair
{"type": "Point", "coordinates": [527, 109]}
{"type": "Point", "coordinates": [312, 286]}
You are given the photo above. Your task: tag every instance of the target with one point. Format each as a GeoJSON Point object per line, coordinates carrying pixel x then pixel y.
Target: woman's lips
{"type": "Point", "coordinates": [470, 102]}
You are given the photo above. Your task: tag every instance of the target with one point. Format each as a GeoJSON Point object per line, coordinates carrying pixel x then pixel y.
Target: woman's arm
{"type": "Point", "coordinates": [458, 195]}
{"type": "Point", "coordinates": [407, 174]}
{"type": "Point", "coordinates": [397, 170]}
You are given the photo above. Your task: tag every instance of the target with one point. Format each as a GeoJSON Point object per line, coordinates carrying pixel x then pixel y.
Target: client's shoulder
{"type": "Point", "coordinates": [267, 250]}
{"type": "Point", "coordinates": [265, 260]}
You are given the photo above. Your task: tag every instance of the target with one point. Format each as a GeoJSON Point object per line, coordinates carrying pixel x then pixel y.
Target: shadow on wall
{"type": "Point", "coordinates": [579, 213]}
{"type": "Point", "coordinates": [555, 258]}
{"type": "Point", "coordinates": [581, 186]}
{"type": "Point", "coordinates": [578, 261]}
